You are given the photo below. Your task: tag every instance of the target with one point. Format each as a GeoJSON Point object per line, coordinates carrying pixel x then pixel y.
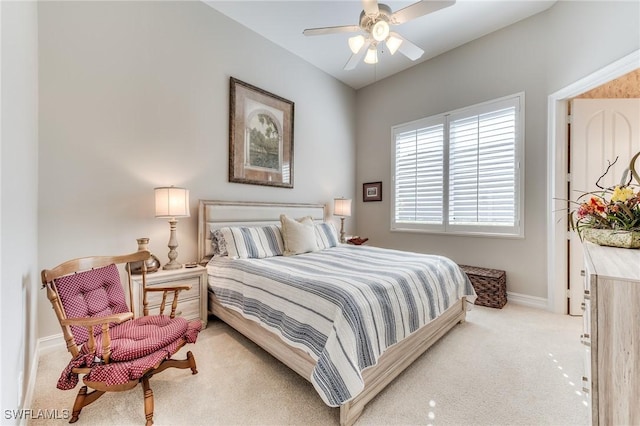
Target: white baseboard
{"type": "Point", "coordinates": [526, 300]}
{"type": "Point", "coordinates": [31, 385]}
{"type": "Point", "coordinates": [46, 344]}
{"type": "Point", "coordinates": [43, 346]}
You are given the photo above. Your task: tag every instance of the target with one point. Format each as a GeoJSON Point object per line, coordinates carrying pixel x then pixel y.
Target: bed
{"type": "Point", "coordinates": [331, 315]}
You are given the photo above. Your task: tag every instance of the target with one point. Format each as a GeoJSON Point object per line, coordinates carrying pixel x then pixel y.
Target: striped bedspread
{"type": "Point", "coordinates": [343, 306]}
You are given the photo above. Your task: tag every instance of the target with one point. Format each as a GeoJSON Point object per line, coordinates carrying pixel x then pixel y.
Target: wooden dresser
{"type": "Point", "coordinates": [612, 334]}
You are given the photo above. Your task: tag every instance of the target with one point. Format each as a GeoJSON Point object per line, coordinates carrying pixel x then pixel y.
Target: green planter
{"type": "Point", "coordinates": [612, 238]}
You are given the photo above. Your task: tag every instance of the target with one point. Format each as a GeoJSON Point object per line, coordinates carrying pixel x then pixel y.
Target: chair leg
{"type": "Point", "coordinates": [82, 400]}
{"type": "Point", "coordinates": [148, 401]}
{"type": "Point", "coordinates": [188, 362]}
{"type": "Point", "coordinates": [192, 363]}
{"type": "Point", "coordinates": [78, 404]}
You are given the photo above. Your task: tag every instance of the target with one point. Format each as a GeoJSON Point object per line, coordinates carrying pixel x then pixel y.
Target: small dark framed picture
{"type": "Point", "coordinates": [372, 191]}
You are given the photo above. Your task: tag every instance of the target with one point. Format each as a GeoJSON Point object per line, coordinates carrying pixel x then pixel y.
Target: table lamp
{"type": "Point", "coordinates": [342, 208]}
{"type": "Point", "coordinates": [172, 202]}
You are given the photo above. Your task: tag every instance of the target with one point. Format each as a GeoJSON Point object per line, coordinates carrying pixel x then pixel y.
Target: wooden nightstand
{"type": "Point", "coordinates": [192, 304]}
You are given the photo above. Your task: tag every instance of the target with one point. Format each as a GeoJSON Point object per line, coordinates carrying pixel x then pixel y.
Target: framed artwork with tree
{"type": "Point", "coordinates": [260, 136]}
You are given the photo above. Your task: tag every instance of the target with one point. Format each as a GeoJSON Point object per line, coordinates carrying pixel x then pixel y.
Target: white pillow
{"type": "Point", "coordinates": [299, 235]}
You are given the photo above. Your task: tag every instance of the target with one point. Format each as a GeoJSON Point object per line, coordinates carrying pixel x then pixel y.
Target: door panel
{"type": "Point", "coordinates": [601, 130]}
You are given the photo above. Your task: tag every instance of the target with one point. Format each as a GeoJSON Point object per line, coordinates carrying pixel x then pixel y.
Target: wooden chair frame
{"type": "Point", "coordinates": [84, 397]}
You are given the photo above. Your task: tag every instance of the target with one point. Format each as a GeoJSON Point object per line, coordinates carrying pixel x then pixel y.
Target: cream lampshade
{"type": "Point", "coordinates": [172, 202]}
{"type": "Point", "coordinates": [356, 43]}
{"type": "Point", "coordinates": [342, 208]}
{"type": "Point", "coordinates": [372, 55]}
{"type": "Point", "coordinates": [393, 43]}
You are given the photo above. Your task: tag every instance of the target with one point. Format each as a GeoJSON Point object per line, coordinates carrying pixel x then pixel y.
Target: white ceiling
{"type": "Point", "coordinates": [282, 22]}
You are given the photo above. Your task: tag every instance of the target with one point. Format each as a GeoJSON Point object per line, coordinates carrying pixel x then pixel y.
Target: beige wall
{"type": "Point", "coordinates": [539, 55]}
{"type": "Point", "coordinates": [19, 179]}
{"type": "Point", "coordinates": [135, 95]}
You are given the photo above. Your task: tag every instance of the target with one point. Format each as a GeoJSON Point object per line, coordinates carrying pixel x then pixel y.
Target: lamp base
{"type": "Point", "coordinates": [342, 237]}
{"type": "Point", "coordinates": [172, 265]}
{"type": "Point", "coordinates": [173, 245]}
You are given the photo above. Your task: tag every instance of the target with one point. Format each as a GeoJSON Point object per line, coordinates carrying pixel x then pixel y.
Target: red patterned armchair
{"type": "Point", "coordinates": [112, 349]}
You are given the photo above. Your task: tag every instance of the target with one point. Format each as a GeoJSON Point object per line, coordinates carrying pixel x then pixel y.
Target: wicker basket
{"type": "Point", "coordinates": [490, 285]}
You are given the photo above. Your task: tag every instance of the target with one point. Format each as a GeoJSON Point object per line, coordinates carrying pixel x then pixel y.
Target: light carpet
{"type": "Point", "coordinates": [510, 366]}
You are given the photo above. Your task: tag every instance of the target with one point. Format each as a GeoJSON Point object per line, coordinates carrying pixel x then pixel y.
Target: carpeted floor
{"type": "Point", "coordinates": [513, 366]}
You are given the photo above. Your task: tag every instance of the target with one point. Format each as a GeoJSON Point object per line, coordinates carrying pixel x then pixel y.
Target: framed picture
{"type": "Point", "coordinates": [372, 191]}
{"type": "Point", "coordinates": [260, 136]}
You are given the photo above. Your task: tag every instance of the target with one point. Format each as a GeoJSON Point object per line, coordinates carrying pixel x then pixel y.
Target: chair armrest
{"type": "Point", "coordinates": [89, 323]}
{"type": "Point", "coordinates": [176, 289]}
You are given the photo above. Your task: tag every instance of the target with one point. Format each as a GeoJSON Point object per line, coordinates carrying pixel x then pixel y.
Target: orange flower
{"type": "Point", "coordinates": [615, 208]}
{"type": "Point", "coordinates": [597, 206]}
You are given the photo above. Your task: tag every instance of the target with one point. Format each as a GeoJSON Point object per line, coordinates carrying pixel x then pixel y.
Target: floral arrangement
{"type": "Point", "coordinates": [614, 208]}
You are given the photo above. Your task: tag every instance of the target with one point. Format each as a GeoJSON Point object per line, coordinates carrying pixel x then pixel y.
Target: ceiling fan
{"type": "Point", "coordinates": [375, 21]}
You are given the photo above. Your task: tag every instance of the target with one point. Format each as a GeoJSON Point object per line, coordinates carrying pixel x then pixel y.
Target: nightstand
{"type": "Point", "coordinates": [192, 304]}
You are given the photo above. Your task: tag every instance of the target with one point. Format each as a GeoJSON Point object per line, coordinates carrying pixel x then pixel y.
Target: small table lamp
{"type": "Point", "coordinates": [172, 202]}
{"type": "Point", "coordinates": [342, 208]}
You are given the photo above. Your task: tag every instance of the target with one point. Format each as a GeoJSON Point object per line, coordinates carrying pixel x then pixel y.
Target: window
{"type": "Point", "coordinates": [460, 172]}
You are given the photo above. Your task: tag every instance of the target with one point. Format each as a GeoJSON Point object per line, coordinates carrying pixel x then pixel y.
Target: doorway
{"type": "Point", "coordinates": [604, 136]}
{"type": "Point", "coordinates": [557, 160]}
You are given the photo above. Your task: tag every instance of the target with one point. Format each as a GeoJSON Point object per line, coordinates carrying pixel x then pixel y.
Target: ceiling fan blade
{"type": "Point", "coordinates": [357, 57]}
{"type": "Point", "coordinates": [370, 7]}
{"type": "Point", "coordinates": [409, 49]}
{"type": "Point", "coordinates": [418, 9]}
{"type": "Point", "coordinates": [331, 30]}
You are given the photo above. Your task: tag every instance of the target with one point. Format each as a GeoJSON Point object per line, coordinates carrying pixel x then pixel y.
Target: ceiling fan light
{"type": "Point", "coordinates": [356, 43]}
{"type": "Point", "coordinates": [372, 55]}
{"type": "Point", "coordinates": [380, 30]}
{"type": "Point", "coordinates": [393, 43]}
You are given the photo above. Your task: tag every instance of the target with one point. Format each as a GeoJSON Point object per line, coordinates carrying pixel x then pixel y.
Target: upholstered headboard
{"type": "Point", "coordinates": [216, 214]}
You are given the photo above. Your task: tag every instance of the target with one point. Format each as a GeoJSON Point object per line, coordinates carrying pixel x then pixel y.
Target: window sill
{"type": "Point", "coordinates": [460, 234]}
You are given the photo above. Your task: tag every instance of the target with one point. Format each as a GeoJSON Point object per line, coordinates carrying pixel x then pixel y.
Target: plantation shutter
{"type": "Point", "coordinates": [482, 166]}
{"type": "Point", "coordinates": [419, 173]}
{"type": "Point", "coordinates": [459, 172]}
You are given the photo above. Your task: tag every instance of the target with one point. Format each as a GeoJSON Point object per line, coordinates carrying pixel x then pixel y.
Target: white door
{"type": "Point", "coordinates": [601, 130]}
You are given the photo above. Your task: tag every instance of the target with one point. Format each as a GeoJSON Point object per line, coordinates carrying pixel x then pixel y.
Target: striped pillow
{"type": "Point", "coordinates": [326, 235]}
{"type": "Point", "coordinates": [253, 242]}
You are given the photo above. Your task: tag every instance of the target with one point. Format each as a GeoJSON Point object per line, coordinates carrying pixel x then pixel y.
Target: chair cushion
{"type": "Point", "coordinates": [119, 372]}
{"type": "Point", "coordinates": [92, 293]}
{"type": "Point", "coordinates": [141, 336]}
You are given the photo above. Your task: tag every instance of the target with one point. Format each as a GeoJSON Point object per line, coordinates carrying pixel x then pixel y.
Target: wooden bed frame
{"type": "Point", "coordinates": [394, 360]}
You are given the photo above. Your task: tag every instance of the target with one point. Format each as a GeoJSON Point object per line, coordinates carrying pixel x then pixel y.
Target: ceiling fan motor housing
{"type": "Point", "coordinates": [368, 21]}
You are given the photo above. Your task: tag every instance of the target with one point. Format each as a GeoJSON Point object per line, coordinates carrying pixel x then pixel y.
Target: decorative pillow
{"type": "Point", "coordinates": [299, 235]}
{"type": "Point", "coordinates": [326, 235]}
{"type": "Point", "coordinates": [253, 242]}
{"type": "Point", "coordinates": [218, 244]}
